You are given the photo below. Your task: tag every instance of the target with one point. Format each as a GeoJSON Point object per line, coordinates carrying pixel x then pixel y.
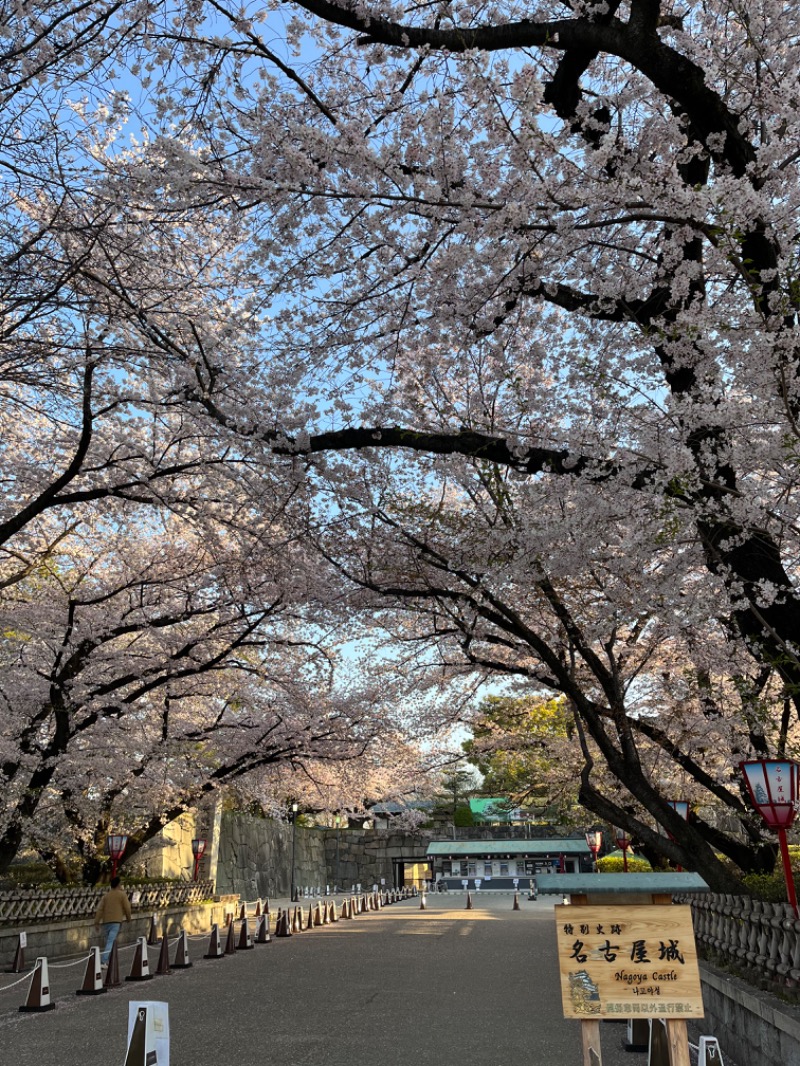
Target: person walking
{"type": "Point", "coordinates": [113, 910]}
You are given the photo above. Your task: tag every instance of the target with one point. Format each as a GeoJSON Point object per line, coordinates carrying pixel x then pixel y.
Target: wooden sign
{"type": "Point", "coordinates": [623, 962]}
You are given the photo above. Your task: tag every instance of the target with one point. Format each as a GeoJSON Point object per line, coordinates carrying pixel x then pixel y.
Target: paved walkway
{"type": "Point", "coordinates": [399, 987]}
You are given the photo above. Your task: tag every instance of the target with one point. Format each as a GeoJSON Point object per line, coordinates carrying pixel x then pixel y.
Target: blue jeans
{"type": "Point", "coordinates": [110, 929]}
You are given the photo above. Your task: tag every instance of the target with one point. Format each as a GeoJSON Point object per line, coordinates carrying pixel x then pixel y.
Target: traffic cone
{"type": "Point", "coordinates": [38, 990]}
{"type": "Point", "coordinates": [317, 915]}
{"type": "Point", "coordinates": [326, 918]}
{"type": "Point", "coordinates": [422, 905]}
{"type": "Point", "coordinates": [93, 977]}
{"type": "Point", "coordinates": [310, 919]}
{"type": "Point", "coordinates": [18, 965]}
{"type": "Point", "coordinates": [162, 969]}
{"type": "Point", "coordinates": [182, 960]}
{"type": "Point", "coordinates": [516, 906]}
{"type": "Point", "coordinates": [334, 915]}
{"type": "Point", "coordinates": [245, 940]}
{"type": "Point", "coordinates": [140, 967]}
{"type": "Point", "coordinates": [243, 911]}
{"type": "Point", "coordinates": [258, 911]}
{"type": "Point", "coordinates": [282, 925]}
{"type": "Point", "coordinates": [214, 945]}
{"type": "Point", "coordinates": [152, 933]}
{"type": "Point", "coordinates": [469, 902]}
{"type": "Point", "coordinates": [112, 969]}
{"type": "Point", "coordinates": [262, 930]}
{"type": "Point", "coordinates": [230, 942]}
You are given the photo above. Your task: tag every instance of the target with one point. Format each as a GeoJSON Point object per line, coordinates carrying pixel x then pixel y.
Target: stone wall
{"type": "Point", "coordinates": [753, 1028]}
{"type": "Point", "coordinates": [255, 856]}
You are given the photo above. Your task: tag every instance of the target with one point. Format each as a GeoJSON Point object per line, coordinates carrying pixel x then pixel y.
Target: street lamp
{"type": "Point", "coordinates": [338, 822]}
{"type": "Point", "coordinates": [773, 788]}
{"type": "Point", "coordinates": [198, 850]}
{"type": "Point", "coordinates": [624, 842]}
{"type": "Point", "coordinates": [681, 808]}
{"type": "Point", "coordinates": [115, 846]}
{"type": "Point", "coordinates": [594, 839]}
{"type": "Point", "coordinates": [294, 837]}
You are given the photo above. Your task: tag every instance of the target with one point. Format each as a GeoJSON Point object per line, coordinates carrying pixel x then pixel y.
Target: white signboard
{"type": "Point", "coordinates": [477, 884]}
{"type": "Point", "coordinates": [516, 882]}
{"type": "Point", "coordinates": [464, 882]}
{"type": "Point", "coordinates": [23, 940]}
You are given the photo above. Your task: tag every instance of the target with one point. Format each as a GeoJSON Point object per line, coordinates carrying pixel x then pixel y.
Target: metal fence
{"type": "Point", "coordinates": [25, 906]}
{"type": "Point", "coordinates": [760, 940]}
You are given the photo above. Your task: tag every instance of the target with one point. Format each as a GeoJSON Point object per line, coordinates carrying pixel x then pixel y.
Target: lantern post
{"type": "Point", "coordinates": [294, 837]}
{"type": "Point", "coordinates": [594, 839]}
{"type": "Point", "coordinates": [773, 788]}
{"type": "Point", "coordinates": [681, 808]}
{"type": "Point", "coordinates": [624, 842]}
{"type": "Point", "coordinates": [198, 850]}
{"type": "Point", "coordinates": [115, 846]}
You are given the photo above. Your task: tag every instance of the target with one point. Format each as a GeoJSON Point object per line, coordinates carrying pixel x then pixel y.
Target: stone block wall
{"type": "Point", "coordinates": [753, 1028]}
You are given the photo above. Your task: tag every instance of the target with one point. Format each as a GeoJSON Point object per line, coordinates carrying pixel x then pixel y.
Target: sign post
{"type": "Point", "coordinates": [627, 953]}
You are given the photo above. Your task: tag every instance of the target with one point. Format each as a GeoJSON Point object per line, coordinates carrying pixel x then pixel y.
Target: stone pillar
{"type": "Point", "coordinates": [208, 823]}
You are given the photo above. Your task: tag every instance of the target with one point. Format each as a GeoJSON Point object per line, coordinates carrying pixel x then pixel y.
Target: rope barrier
{"type": "Point", "coordinates": [14, 984]}
{"type": "Point", "coordinates": [66, 965]}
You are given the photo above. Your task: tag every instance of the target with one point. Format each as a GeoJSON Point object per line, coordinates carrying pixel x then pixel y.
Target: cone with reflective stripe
{"type": "Point", "coordinates": [38, 990]}
{"type": "Point", "coordinates": [245, 939]}
{"type": "Point", "coordinates": [93, 977]}
{"type": "Point", "coordinates": [113, 979]}
{"type": "Point", "coordinates": [516, 906]}
{"type": "Point", "coordinates": [152, 932]}
{"type": "Point", "coordinates": [469, 902]}
{"type": "Point", "coordinates": [18, 965]}
{"type": "Point", "coordinates": [262, 930]}
{"type": "Point", "coordinates": [182, 960]}
{"type": "Point", "coordinates": [230, 942]}
{"type": "Point", "coordinates": [214, 945]}
{"type": "Point", "coordinates": [142, 1047]}
{"type": "Point", "coordinates": [140, 967]}
{"type": "Point", "coordinates": [162, 969]}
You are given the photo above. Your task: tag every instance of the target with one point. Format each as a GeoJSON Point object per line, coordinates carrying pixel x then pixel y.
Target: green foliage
{"type": "Point", "coordinates": [463, 815]}
{"type": "Point", "coordinates": [613, 864]}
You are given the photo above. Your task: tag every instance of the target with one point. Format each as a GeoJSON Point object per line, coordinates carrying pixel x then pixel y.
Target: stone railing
{"type": "Point", "coordinates": [24, 906]}
{"type": "Point", "coordinates": [761, 941]}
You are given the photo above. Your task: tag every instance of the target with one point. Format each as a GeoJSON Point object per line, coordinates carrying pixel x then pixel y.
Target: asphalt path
{"type": "Point", "coordinates": [396, 987]}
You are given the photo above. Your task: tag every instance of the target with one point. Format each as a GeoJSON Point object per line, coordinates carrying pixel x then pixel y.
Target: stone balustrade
{"type": "Point", "coordinates": [24, 906]}
{"type": "Point", "coordinates": [759, 940]}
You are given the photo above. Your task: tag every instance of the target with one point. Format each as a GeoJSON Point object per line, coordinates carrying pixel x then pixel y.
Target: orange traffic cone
{"type": "Point", "coordinates": [93, 977]}
{"type": "Point", "coordinates": [39, 990]}
{"type": "Point", "coordinates": [140, 967]}
{"type": "Point", "coordinates": [182, 960]}
{"type": "Point", "coordinates": [214, 945]}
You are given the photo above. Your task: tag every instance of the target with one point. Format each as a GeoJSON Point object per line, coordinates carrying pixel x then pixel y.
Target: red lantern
{"type": "Point", "coordinates": [773, 787]}
{"type": "Point", "coordinates": [115, 846]}
{"type": "Point", "coordinates": [198, 850]}
{"type": "Point", "coordinates": [594, 839]}
{"type": "Point", "coordinates": [624, 842]}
